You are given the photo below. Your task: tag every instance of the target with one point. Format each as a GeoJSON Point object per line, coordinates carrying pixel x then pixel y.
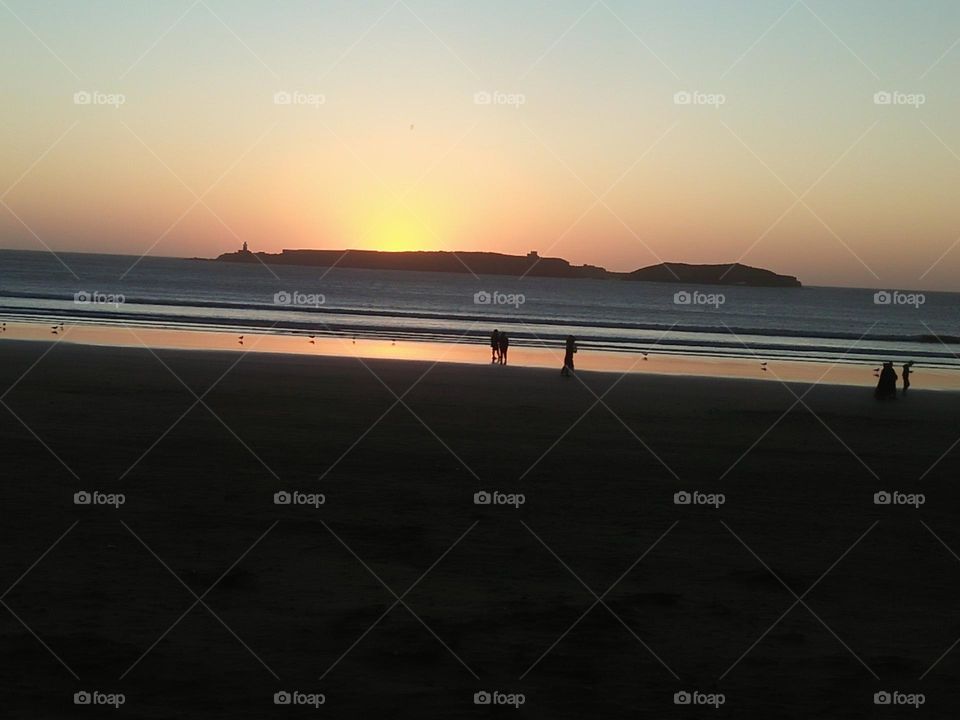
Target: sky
{"type": "Point", "coordinates": [620, 133]}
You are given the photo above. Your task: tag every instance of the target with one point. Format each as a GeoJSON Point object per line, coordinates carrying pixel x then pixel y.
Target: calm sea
{"type": "Point", "coordinates": [814, 323]}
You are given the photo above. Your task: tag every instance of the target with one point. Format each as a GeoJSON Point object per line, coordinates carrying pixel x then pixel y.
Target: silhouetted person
{"type": "Point", "coordinates": [504, 344]}
{"type": "Point", "coordinates": [887, 386]}
{"type": "Point", "coordinates": [907, 372]}
{"type": "Point", "coordinates": [495, 346]}
{"type": "Point", "coordinates": [568, 356]}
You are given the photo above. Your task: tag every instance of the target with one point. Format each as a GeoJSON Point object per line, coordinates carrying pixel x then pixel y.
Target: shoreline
{"type": "Point", "coordinates": [477, 354]}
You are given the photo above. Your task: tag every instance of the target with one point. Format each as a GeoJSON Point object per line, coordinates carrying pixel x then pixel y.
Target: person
{"type": "Point", "coordinates": [504, 344]}
{"type": "Point", "coordinates": [887, 386]}
{"type": "Point", "coordinates": [495, 346]}
{"type": "Point", "coordinates": [568, 356]}
{"type": "Point", "coordinates": [906, 375]}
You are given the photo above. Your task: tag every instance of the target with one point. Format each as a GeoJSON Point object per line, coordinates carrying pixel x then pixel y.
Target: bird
{"type": "Point", "coordinates": [645, 356]}
{"type": "Point", "coordinates": [313, 340]}
{"type": "Point", "coordinates": [763, 366]}
{"type": "Point", "coordinates": [241, 339]}
{"type": "Point", "coordinates": [393, 342]}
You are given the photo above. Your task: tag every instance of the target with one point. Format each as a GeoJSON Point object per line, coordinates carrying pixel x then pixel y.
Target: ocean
{"type": "Point", "coordinates": [821, 324]}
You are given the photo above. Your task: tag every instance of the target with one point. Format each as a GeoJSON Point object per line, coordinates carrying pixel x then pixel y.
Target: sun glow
{"type": "Point", "coordinates": [397, 229]}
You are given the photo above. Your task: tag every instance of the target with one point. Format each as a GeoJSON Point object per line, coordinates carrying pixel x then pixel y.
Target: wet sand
{"type": "Point", "coordinates": [849, 370]}
{"type": "Point", "coordinates": [495, 589]}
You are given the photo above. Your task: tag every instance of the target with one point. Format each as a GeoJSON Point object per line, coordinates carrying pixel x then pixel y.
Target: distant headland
{"type": "Point", "coordinates": [532, 264]}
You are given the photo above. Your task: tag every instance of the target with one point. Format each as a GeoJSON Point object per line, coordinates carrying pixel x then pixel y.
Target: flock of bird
{"type": "Point", "coordinates": [57, 329]}
{"type": "Point", "coordinates": [313, 338]}
{"type": "Point", "coordinates": [54, 329]}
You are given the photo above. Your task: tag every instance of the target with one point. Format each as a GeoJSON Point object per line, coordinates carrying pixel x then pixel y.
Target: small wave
{"type": "Point", "coordinates": [716, 342]}
{"type": "Point", "coordinates": [131, 311]}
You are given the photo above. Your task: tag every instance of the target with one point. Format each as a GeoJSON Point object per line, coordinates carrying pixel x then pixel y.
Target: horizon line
{"type": "Point", "coordinates": [182, 257]}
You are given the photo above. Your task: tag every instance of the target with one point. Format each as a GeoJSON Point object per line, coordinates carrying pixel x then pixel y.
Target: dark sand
{"type": "Point", "coordinates": [403, 495]}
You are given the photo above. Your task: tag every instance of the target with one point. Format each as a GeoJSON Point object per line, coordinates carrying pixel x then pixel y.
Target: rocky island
{"type": "Point", "coordinates": [532, 264]}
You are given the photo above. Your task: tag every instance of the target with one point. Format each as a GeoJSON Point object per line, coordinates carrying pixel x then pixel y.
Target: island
{"type": "Point", "coordinates": [531, 264]}
{"type": "Point", "coordinates": [731, 274]}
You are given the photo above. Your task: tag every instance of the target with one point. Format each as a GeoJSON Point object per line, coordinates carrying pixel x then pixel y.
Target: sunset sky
{"type": "Point", "coordinates": [584, 151]}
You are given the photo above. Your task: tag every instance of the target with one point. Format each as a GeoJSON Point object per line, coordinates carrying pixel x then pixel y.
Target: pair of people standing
{"type": "Point", "coordinates": [887, 385]}
{"type": "Point", "coordinates": [499, 345]}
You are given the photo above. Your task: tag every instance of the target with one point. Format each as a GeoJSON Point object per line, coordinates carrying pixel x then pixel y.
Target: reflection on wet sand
{"type": "Point", "coordinates": [475, 352]}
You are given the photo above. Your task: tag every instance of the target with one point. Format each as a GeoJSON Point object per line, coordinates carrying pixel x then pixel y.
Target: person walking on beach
{"type": "Point", "coordinates": [495, 346]}
{"type": "Point", "coordinates": [887, 386]}
{"type": "Point", "coordinates": [906, 376]}
{"type": "Point", "coordinates": [504, 344]}
{"type": "Point", "coordinates": [568, 356]}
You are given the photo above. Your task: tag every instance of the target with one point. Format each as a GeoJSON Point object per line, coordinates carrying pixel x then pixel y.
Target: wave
{"type": "Point", "coordinates": [301, 323]}
{"type": "Point", "coordinates": [678, 341]}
